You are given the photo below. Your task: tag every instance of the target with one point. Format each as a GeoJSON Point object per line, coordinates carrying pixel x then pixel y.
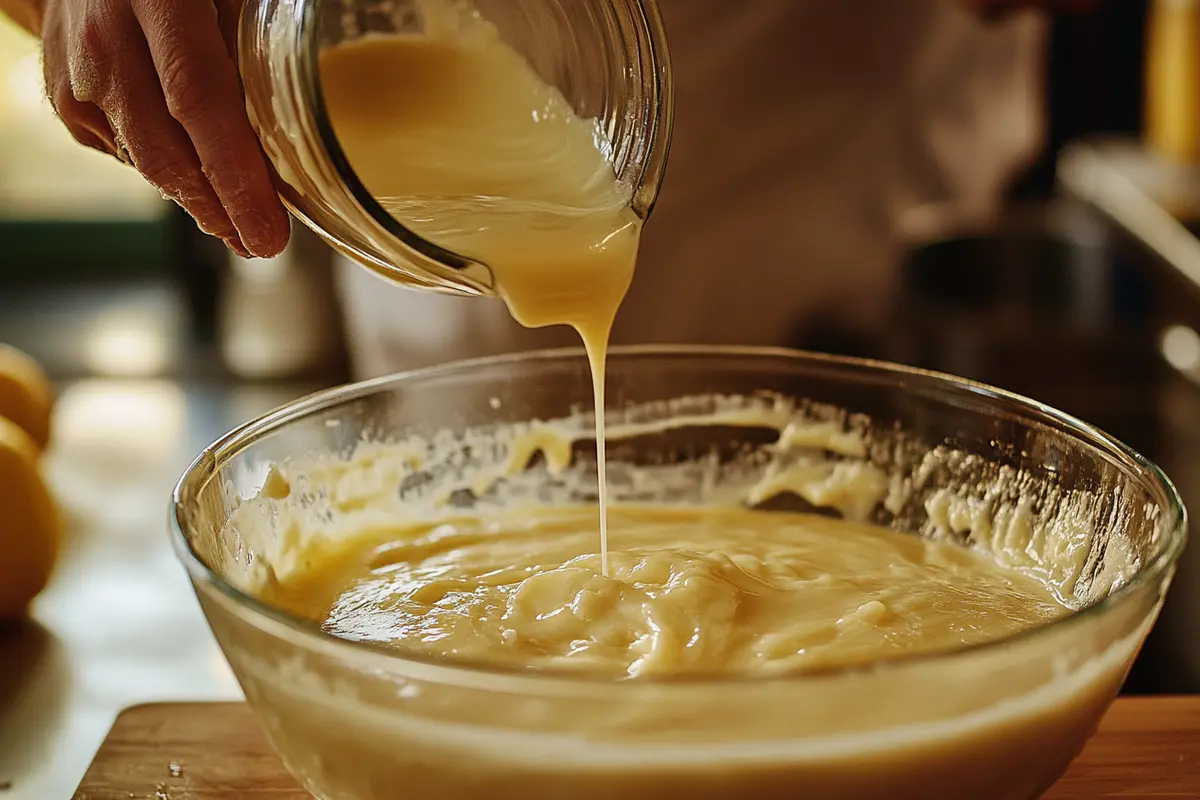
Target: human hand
{"type": "Point", "coordinates": [155, 83]}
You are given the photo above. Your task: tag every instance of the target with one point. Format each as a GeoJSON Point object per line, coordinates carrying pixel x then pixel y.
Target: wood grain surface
{"type": "Point", "coordinates": [1147, 748]}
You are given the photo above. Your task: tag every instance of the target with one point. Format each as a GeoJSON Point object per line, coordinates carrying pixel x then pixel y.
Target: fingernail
{"type": "Point", "coordinates": [265, 234]}
{"type": "Point", "coordinates": [237, 247]}
{"type": "Point", "coordinates": [222, 230]}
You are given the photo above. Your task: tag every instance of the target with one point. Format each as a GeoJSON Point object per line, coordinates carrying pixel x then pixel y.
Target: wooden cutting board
{"type": "Point", "coordinates": [1146, 748]}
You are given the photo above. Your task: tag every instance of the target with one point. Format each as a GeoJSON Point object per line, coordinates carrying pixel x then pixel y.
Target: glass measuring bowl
{"type": "Point", "coordinates": [608, 58]}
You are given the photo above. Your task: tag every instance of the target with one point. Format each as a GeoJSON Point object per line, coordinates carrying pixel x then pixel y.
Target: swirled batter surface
{"type": "Point", "coordinates": [688, 591]}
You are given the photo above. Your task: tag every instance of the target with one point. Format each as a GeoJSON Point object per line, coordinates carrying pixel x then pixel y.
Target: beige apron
{"type": "Point", "coordinates": [811, 136]}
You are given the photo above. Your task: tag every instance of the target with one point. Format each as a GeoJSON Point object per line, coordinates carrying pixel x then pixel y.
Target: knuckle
{"type": "Point", "coordinates": [92, 39]}
{"type": "Point", "coordinates": [188, 92]}
{"type": "Point", "coordinates": [167, 171]}
{"type": "Point", "coordinates": [90, 61]}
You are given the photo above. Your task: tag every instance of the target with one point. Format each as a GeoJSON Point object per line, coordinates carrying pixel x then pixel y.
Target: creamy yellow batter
{"type": "Point", "coordinates": [689, 591]}
{"type": "Point", "coordinates": [701, 586]}
{"type": "Point", "coordinates": [457, 137]}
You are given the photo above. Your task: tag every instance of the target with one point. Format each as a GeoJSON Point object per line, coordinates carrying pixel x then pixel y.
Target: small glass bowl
{"type": "Point", "coordinates": [609, 59]}
{"type": "Point", "coordinates": [995, 721]}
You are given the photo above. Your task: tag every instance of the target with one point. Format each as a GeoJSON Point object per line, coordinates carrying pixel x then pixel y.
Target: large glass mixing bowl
{"type": "Point", "coordinates": [965, 461]}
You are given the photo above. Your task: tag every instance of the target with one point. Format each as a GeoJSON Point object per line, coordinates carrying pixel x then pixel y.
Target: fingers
{"type": "Point", "coordinates": [84, 121]}
{"type": "Point", "coordinates": [199, 82]}
{"type": "Point", "coordinates": [110, 66]}
{"type": "Point", "coordinates": [155, 81]}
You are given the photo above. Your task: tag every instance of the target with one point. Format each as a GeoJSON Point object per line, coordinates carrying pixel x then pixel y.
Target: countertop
{"type": "Point", "coordinates": [1147, 747]}
{"type": "Point", "coordinates": [119, 624]}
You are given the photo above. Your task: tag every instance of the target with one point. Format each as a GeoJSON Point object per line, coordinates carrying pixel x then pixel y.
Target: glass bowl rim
{"type": "Point", "coordinates": [204, 468]}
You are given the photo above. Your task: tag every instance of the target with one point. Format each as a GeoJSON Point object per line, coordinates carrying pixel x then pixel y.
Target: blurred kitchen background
{"type": "Point", "coordinates": [1086, 296]}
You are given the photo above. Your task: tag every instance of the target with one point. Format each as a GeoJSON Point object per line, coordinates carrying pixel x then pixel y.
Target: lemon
{"type": "Point", "coordinates": [26, 397]}
{"type": "Point", "coordinates": [29, 524]}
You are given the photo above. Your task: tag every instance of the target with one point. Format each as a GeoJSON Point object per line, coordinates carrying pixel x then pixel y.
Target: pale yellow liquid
{"type": "Point", "coordinates": [458, 138]}
{"type": "Point", "coordinates": [690, 591]}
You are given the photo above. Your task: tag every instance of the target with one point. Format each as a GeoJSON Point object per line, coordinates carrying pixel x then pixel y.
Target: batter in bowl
{"type": "Point", "coordinates": [688, 591]}
{"type": "Point", "coordinates": [477, 548]}
{"type": "Point", "coordinates": [704, 586]}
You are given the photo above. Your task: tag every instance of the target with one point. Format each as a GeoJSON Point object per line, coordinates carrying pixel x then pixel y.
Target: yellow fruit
{"type": "Point", "coordinates": [26, 396]}
{"type": "Point", "coordinates": [29, 523]}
